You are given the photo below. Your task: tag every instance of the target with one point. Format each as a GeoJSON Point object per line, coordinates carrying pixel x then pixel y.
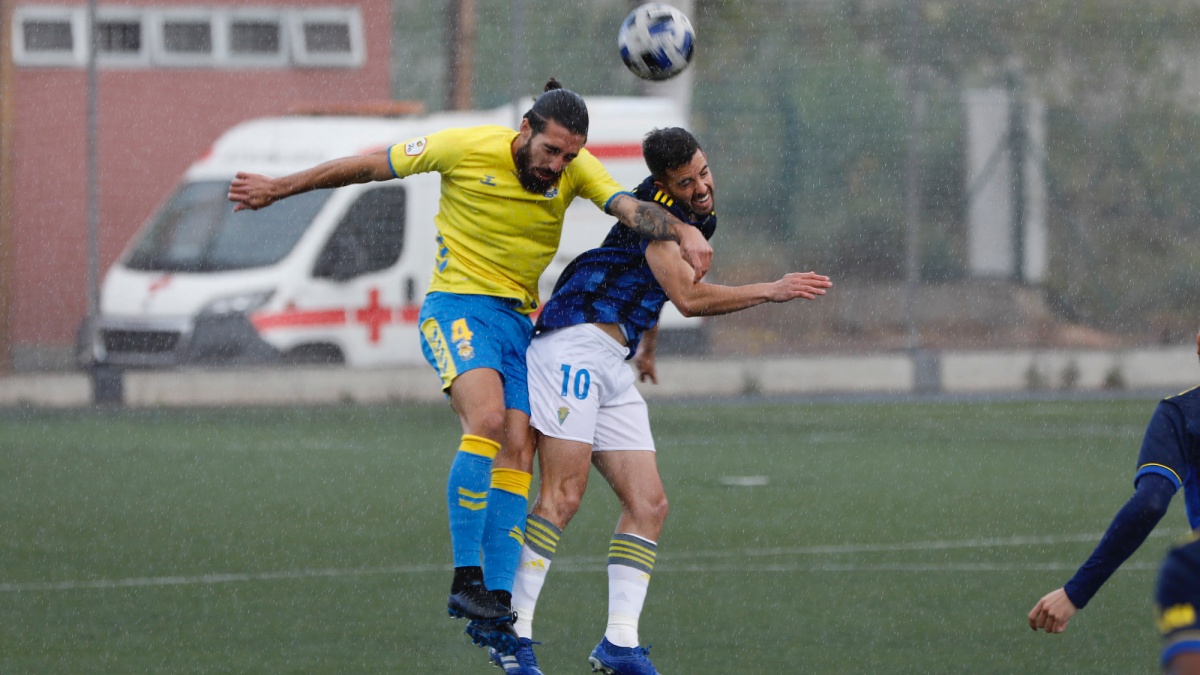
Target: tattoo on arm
{"type": "Point", "coordinates": [650, 220]}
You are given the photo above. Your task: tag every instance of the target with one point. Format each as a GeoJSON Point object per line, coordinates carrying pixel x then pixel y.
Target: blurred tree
{"type": "Point", "coordinates": [1122, 82]}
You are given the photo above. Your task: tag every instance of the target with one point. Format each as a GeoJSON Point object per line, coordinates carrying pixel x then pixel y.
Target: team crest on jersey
{"type": "Point", "coordinates": [465, 351]}
{"type": "Point", "coordinates": [551, 193]}
{"type": "Point", "coordinates": [562, 414]}
{"type": "Point", "coordinates": [415, 147]}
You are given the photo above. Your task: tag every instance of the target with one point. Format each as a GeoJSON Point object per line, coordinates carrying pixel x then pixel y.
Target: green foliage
{"type": "Point", "coordinates": [1121, 132]}
{"type": "Point", "coordinates": [812, 142]}
{"type": "Point", "coordinates": [573, 42]}
{"type": "Point", "coordinates": [1127, 184]}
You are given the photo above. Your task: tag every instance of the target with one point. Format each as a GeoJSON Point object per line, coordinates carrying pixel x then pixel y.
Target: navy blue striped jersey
{"type": "Point", "coordinates": [613, 282]}
{"type": "Point", "coordinates": [1171, 448]}
{"type": "Point", "coordinates": [1176, 598]}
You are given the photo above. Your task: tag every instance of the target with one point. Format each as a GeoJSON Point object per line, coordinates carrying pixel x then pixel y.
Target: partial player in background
{"type": "Point", "coordinates": [503, 200]}
{"type": "Point", "coordinates": [586, 409]}
{"type": "Point", "coordinates": [1169, 460]}
{"type": "Point", "coordinates": [1176, 599]}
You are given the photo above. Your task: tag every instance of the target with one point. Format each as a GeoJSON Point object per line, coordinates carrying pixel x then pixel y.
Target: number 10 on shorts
{"type": "Point", "coordinates": [579, 387]}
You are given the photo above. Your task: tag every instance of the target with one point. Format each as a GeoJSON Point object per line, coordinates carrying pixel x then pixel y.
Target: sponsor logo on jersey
{"type": "Point", "coordinates": [415, 147]}
{"type": "Point", "coordinates": [488, 180]}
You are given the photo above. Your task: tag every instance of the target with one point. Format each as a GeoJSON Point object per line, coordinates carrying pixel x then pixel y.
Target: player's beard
{"type": "Point", "coordinates": [698, 215]}
{"type": "Point", "coordinates": [530, 180]}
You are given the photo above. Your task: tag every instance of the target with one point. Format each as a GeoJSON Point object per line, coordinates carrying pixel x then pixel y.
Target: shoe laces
{"type": "Point", "coordinates": [524, 654]}
{"type": "Point", "coordinates": [641, 656]}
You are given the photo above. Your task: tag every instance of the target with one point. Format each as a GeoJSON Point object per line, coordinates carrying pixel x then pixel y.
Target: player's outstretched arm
{"type": "Point", "coordinates": [656, 223]}
{"type": "Point", "coordinates": [1129, 528]}
{"type": "Point", "coordinates": [1052, 612]}
{"type": "Point", "coordinates": [254, 191]}
{"type": "Point", "coordinates": [694, 298]}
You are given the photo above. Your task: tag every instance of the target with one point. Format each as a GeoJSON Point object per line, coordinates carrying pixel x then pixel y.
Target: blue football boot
{"type": "Point", "coordinates": [495, 635]}
{"type": "Point", "coordinates": [521, 662]}
{"type": "Point", "coordinates": [610, 659]}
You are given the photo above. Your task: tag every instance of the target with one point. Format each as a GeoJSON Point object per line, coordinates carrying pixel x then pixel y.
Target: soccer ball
{"type": "Point", "coordinates": [656, 41]}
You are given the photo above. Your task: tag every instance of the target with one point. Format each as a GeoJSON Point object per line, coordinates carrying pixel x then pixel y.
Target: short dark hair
{"type": "Point", "coordinates": [666, 149]}
{"type": "Point", "coordinates": [561, 105]}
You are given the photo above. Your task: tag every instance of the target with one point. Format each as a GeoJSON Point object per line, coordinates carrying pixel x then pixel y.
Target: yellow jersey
{"type": "Point", "coordinates": [495, 237]}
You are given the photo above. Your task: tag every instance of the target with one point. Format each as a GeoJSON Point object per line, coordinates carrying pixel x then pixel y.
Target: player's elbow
{"type": "Point", "coordinates": [687, 310]}
{"type": "Point", "coordinates": [688, 305]}
{"type": "Point", "coordinates": [1153, 494]}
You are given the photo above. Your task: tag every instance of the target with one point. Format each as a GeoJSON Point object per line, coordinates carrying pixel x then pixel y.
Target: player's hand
{"type": "Point", "coordinates": [696, 250]}
{"type": "Point", "coordinates": [251, 191]}
{"type": "Point", "coordinates": [808, 285]}
{"type": "Point", "coordinates": [1052, 612]}
{"type": "Point", "coordinates": [645, 367]}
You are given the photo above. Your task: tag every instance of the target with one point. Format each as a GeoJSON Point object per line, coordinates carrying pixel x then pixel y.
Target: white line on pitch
{"type": "Point", "coordinates": [991, 542]}
{"type": "Point", "coordinates": [218, 578]}
{"type": "Point", "coordinates": [674, 563]}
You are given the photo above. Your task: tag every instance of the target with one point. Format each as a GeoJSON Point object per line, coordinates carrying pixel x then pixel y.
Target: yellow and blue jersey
{"type": "Point", "coordinates": [1176, 598]}
{"type": "Point", "coordinates": [495, 237]}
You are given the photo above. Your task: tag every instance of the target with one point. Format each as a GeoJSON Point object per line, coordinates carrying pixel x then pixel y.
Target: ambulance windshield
{"type": "Point", "coordinates": [198, 231]}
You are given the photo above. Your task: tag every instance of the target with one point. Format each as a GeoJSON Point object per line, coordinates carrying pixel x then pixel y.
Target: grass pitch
{"type": "Point", "coordinates": [890, 537]}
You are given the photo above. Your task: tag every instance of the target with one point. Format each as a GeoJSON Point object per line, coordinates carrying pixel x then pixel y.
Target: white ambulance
{"type": "Point", "coordinates": [331, 276]}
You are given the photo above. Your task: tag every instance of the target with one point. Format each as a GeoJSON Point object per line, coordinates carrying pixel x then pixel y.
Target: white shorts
{"type": "Point", "coordinates": [581, 389]}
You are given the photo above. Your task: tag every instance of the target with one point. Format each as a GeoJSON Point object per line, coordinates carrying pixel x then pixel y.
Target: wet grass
{"type": "Point", "coordinates": [890, 537]}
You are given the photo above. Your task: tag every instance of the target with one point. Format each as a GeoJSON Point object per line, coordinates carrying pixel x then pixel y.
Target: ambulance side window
{"type": "Point", "coordinates": [369, 238]}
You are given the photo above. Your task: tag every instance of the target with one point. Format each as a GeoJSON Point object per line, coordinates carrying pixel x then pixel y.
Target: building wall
{"type": "Point", "coordinates": [153, 122]}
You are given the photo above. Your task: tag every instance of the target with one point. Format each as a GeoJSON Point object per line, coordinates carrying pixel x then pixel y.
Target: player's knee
{"type": "Point", "coordinates": [487, 423]}
{"type": "Point", "coordinates": [561, 511]}
{"type": "Point", "coordinates": [562, 500]}
{"type": "Point", "coordinates": [518, 451]}
{"type": "Point", "coordinates": [653, 508]}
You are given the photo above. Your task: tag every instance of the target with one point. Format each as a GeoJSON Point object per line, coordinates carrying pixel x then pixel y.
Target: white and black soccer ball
{"type": "Point", "coordinates": [656, 41]}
